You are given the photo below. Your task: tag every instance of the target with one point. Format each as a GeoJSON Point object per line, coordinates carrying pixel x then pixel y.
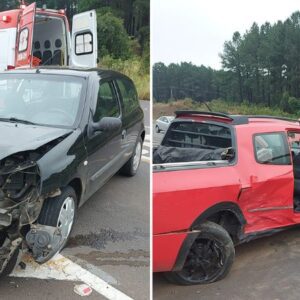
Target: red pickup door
{"type": "Point", "coordinates": [219, 180]}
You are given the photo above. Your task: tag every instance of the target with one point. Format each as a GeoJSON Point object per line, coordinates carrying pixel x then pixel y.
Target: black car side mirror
{"type": "Point", "coordinates": [107, 124]}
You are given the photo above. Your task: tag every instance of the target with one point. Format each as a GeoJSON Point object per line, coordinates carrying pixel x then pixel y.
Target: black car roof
{"type": "Point", "coordinates": [81, 72]}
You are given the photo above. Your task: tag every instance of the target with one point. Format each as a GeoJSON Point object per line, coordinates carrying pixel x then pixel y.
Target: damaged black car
{"type": "Point", "coordinates": [63, 134]}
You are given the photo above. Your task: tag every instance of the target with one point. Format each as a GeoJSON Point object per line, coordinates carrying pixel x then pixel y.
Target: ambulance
{"type": "Point", "coordinates": [31, 37]}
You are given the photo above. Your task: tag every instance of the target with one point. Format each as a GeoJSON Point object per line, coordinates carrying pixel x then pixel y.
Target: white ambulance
{"type": "Point", "coordinates": [31, 37]}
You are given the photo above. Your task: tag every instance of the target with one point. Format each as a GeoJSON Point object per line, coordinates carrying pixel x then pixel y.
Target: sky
{"type": "Point", "coordinates": [195, 30]}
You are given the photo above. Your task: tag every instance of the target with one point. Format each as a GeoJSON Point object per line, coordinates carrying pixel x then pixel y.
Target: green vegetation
{"type": "Point", "coordinates": [260, 68]}
{"type": "Point", "coordinates": [133, 68]}
{"type": "Point", "coordinates": [123, 34]}
{"type": "Point", "coordinates": [168, 108]}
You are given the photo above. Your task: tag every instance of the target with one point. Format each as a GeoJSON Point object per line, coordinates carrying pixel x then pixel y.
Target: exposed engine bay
{"type": "Point", "coordinates": [21, 202]}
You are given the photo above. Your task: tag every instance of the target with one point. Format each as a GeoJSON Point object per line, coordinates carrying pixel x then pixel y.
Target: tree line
{"type": "Point", "coordinates": [123, 26]}
{"type": "Point", "coordinates": [262, 66]}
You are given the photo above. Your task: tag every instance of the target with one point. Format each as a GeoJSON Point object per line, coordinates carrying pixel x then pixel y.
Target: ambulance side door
{"type": "Point", "coordinates": [25, 37]}
{"type": "Point", "coordinates": [84, 49]}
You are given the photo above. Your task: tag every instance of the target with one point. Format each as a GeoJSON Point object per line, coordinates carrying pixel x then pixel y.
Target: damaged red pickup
{"type": "Point", "coordinates": [220, 180]}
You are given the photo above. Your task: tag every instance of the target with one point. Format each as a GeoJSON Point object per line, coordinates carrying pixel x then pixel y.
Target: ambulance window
{"type": "Point", "coordinates": [84, 43]}
{"type": "Point", "coordinates": [23, 42]}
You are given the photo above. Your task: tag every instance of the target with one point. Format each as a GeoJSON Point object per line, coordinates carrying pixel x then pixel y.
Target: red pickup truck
{"type": "Point", "coordinates": [220, 180]}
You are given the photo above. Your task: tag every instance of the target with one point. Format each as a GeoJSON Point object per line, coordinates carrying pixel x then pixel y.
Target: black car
{"type": "Point", "coordinates": [63, 134]}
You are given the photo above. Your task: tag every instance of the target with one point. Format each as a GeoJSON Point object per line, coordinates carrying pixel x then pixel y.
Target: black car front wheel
{"type": "Point", "coordinates": [60, 212]}
{"type": "Point", "coordinates": [209, 259]}
{"type": "Point", "coordinates": [157, 129]}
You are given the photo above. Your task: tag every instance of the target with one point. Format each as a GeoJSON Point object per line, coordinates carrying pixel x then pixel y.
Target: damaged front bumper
{"type": "Point", "coordinates": [21, 202]}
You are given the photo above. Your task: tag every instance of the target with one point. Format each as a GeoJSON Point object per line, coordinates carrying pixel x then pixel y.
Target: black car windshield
{"type": "Point", "coordinates": [50, 100]}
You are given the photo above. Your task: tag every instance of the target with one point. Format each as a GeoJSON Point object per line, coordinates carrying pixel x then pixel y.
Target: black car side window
{"type": "Point", "coordinates": [128, 94]}
{"type": "Point", "coordinates": [107, 103]}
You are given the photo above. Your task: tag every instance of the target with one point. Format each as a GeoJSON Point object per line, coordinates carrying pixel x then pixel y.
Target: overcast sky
{"type": "Point", "coordinates": [195, 30]}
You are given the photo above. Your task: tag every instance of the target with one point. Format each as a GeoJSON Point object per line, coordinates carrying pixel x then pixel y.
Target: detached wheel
{"type": "Point", "coordinates": [60, 212]}
{"type": "Point", "coordinates": [11, 264]}
{"type": "Point", "coordinates": [157, 129]}
{"type": "Point", "coordinates": [132, 166]}
{"type": "Point", "coordinates": [209, 259]}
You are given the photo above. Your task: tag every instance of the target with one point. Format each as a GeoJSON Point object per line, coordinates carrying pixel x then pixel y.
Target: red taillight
{"type": "Point", "coordinates": [10, 67]}
{"type": "Point", "coordinates": [6, 19]}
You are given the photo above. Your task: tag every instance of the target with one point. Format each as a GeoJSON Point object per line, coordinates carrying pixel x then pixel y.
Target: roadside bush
{"type": "Point", "coordinates": [134, 68]}
{"type": "Point", "coordinates": [112, 36]}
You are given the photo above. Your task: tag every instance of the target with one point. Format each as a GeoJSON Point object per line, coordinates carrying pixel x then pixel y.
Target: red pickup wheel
{"type": "Point", "coordinates": [209, 259]}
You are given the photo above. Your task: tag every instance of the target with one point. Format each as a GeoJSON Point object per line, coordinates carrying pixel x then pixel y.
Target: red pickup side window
{"type": "Point", "coordinates": [272, 149]}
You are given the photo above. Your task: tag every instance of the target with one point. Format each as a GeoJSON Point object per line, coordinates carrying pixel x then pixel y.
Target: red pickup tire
{"type": "Point", "coordinates": [209, 259]}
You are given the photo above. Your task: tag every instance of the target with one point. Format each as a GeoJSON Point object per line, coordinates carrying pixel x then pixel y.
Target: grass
{"type": "Point", "coordinates": [160, 109]}
{"type": "Point", "coordinates": [133, 68]}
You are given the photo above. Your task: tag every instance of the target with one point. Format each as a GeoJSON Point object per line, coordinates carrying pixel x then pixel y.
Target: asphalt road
{"type": "Point", "coordinates": [110, 240]}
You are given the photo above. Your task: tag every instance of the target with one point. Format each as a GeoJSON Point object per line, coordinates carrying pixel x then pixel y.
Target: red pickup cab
{"type": "Point", "coordinates": [220, 180]}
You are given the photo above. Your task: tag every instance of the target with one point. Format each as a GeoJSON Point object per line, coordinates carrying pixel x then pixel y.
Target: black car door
{"type": "Point", "coordinates": [132, 117]}
{"type": "Point", "coordinates": [104, 148]}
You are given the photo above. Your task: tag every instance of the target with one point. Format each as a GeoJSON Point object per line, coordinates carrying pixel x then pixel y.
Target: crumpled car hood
{"type": "Point", "coordinates": [15, 138]}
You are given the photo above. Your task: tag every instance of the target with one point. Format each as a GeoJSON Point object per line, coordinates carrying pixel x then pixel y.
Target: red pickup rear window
{"type": "Point", "coordinates": [187, 141]}
{"type": "Point", "coordinates": [198, 135]}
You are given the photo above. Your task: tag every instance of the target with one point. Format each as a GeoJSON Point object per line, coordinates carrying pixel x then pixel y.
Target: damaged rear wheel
{"type": "Point", "coordinates": [209, 259]}
{"type": "Point", "coordinates": [60, 212]}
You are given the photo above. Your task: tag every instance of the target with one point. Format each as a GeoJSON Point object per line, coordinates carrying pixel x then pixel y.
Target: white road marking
{"type": "Point", "coordinates": [62, 268]}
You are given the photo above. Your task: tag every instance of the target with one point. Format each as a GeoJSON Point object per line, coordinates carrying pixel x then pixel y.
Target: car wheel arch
{"type": "Point", "coordinates": [76, 184]}
{"type": "Point", "coordinates": [219, 209]}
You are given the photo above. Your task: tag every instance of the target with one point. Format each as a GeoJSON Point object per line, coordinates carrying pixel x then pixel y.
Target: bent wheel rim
{"type": "Point", "coordinates": [137, 156]}
{"type": "Point", "coordinates": [205, 261]}
{"type": "Point", "coordinates": [66, 217]}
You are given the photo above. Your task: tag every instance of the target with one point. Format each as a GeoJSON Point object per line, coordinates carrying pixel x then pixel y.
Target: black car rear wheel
{"type": "Point", "coordinates": [132, 166]}
{"type": "Point", "coordinates": [209, 259]}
